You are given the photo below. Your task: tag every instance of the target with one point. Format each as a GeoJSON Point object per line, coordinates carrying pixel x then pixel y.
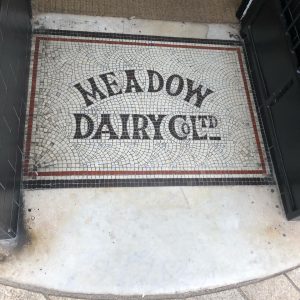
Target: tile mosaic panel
{"type": "Point", "coordinates": [110, 110]}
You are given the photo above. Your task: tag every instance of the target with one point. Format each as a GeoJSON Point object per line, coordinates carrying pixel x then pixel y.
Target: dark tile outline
{"type": "Point", "coordinates": [135, 37]}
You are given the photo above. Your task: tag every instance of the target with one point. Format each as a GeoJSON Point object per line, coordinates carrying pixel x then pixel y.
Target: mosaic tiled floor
{"type": "Point", "coordinates": [124, 110]}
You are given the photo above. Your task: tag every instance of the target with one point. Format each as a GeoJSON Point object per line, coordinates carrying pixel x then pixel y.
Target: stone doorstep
{"type": "Point", "coordinates": [284, 286]}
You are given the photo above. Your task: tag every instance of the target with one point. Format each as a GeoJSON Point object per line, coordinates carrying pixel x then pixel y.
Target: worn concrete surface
{"type": "Point", "coordinates": [152, 240]}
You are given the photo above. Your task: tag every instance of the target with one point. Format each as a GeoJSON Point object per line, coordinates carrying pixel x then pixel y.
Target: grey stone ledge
{"type": "Point", "coordinates": [283, 285]}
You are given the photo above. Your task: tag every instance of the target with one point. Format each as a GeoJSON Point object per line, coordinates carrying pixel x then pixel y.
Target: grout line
{"type": "Point", "coordinates": [292, 282]}
{"type": "Point", "coordinates": [46, 297]}
{"type": "Point", "coordinates": [242, 293]}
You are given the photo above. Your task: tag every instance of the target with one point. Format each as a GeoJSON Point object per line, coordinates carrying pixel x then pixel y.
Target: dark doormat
{"type": "Point", "coordinates": [203, 11]}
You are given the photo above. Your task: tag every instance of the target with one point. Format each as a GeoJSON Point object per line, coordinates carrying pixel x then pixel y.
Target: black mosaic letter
{"type": "Point", "coordinates": [105, 121]}
{"type": "Point", "coordinates": [124, 119]}
{"type": "Point", "coordinates": [90, 126]}
{"type": "Point", "coordinates": [110, 84]}
{"type": "Point", "coordinates": [213, 122]}
{"type": "Point", "coordinates": [156, 123]}
{"type": "Point", "coordinates": [151, 88]}
{"type": "Point", "coordinates": [191, 93]}
{"type": "Point", "coordinates": [132, 82]}
{"type": "Point", "coordinates": [169, 84]}
{"type": "Point", "coordinates": [137, 129]}
{"type": "Point", "coordinates": [202, 119]}
{"type": "Point", "coordinates": [172, 127]}
{"type": "Point", "coordinates": [85, 93]}
{"type": "Point", "coordinates": [196, 137]}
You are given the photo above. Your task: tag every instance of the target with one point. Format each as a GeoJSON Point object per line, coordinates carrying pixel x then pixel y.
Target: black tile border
{"type": "Point", "coordinates": [135, 37]}
{"type": "Point", "coordinates": [150, 182]}
{"type": "Point", "coordinates": [255, 94]}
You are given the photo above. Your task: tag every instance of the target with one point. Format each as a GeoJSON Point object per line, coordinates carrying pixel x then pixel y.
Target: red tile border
{"type": "Point", "coordinates": [262, 171]}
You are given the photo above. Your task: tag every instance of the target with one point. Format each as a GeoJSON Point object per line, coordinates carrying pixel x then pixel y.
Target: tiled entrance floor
{"type": "Point", "coordinates": [134, 110]}
{"type": "Point", "coordinates": [147, 240]}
